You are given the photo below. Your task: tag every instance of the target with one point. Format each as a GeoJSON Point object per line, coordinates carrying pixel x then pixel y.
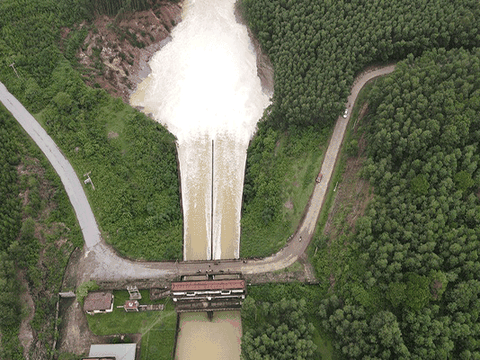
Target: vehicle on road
{"type": "Point", "coordinates": [319, 177]}
{"type": "Point", "coordinates": [345, 114]}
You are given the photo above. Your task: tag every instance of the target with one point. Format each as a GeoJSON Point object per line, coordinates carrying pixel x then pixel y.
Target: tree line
{"type": "Point", "coordinates": [10, 222]}
{"type": "Point", "coordinates": [317, 48]}
{"type": "Point", "coordinates": [39, 230]}
{"type": "Point", "coordinates": [278, 322]}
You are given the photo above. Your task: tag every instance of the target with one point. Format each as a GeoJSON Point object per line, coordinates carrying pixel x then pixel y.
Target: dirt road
{"type": "Point", "coordinates": [100, 262]}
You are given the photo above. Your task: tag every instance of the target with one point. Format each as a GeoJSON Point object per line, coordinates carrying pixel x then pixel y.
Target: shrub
{"type": "Point", "coordinates": [84, 288]}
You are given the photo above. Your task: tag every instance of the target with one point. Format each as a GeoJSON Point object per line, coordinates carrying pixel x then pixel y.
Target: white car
{"type": "Point", "coordinates": [345, 114]}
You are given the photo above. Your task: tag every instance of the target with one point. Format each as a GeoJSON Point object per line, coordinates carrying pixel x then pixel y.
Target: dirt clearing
{"type": "Point", "coordinates": [352, 195]}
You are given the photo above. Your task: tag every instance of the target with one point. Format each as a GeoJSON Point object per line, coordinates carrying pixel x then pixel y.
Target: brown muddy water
{"type": "Point", "coordinates": [202, 339]}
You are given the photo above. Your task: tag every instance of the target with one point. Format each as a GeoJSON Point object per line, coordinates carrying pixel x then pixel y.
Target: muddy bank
{"type": "Point", "coordinates": [264, 65]}
{"type": "Point", "coordinates": [116, 50]}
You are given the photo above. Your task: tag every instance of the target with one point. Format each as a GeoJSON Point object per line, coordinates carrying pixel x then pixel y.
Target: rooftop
{"type": "Point", "coordinates": [98, 301]}
{"type": "Point", "coordinates": [208, 285]}
{"type": "Point", "coordinates": [131, 305]}
{"type": "Point", "coordinates": [118, 351]}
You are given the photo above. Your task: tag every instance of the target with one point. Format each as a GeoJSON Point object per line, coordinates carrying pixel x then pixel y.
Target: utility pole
{"type": "Point", "coordinates": [88, 179]}
{"type": "Point", "coordinates": [13, 67]}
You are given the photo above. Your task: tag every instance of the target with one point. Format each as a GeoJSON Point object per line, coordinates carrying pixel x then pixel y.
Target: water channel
{"type": "Point", "coordinates": [204, 88]}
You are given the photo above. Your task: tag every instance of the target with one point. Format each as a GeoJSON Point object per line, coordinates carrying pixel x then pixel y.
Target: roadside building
{"type": "Point", "coordinates": [98, 303]}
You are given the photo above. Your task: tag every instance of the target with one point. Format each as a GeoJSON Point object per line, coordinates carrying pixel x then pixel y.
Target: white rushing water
{"type": "Point", "coordinates": [203, 87]}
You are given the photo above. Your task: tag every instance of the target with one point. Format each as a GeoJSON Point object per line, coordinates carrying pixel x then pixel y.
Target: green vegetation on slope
{"type": "Point", "coordinates": [10, 222]}
{"type": "Point", "coordinates": [406, 286]}
{"type": "Point", "coordinates": [280, 175]}
{"type": "Point", "coordinates": [280, 321]}
{"type": "Point", "coordinates": [316, 49]}
{"type": "Point", "coordinates": [38, 234]}
{"type": "Point", "coordinates": [131, 158]}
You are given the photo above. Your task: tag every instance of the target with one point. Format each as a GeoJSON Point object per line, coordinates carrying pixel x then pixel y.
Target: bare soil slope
{"type": "Point", "coordinates": [116, 51]}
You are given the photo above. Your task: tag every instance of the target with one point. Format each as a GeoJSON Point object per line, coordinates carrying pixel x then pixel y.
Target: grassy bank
{"type": "Point", "coordinates": [157, 327]}
{"type": "Point", "coordinates": [280, 175]}
{"type": "Point", "coordinates": [329, 258]}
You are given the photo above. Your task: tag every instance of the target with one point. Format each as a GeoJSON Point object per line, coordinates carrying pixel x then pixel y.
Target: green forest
{"type": "Point", "coordinates": [280, 321]}
{"type": "Point", "coordinates": [404, 284]}
{"type": "Point", "coordinates": [408, 285]}
{"type": "Point", "coordinates": [287, 334]}
{"type": "Point", "coordinates": [405, 281]}
{"type": "Point", "coordinates": [317, 48]}
{"type": "Point", "coordinates": [131, 159]}
{"type": "Point", "coordinates": [10, 222]}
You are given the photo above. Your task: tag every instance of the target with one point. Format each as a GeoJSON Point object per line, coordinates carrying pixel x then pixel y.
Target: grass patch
{"type": "Point", "coordinates": [113, 115]}
{"type": "Point", "coordinates": [157, 327]}
{"type": "Point", "coordinates": [280, 176]}
{"type": "Point", "coordinates": [322, 340]}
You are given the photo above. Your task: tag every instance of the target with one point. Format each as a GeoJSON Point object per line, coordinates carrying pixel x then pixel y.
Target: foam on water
{"type": "Point", "coordinates": [203, 87]}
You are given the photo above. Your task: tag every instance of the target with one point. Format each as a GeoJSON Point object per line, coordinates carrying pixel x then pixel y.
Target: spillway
{"type": "Point", "coordinates": [204, 88]}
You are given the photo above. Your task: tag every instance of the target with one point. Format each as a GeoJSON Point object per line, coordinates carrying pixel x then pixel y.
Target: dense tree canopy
{"type": "Point", "coordinates": [317, 47]}
{"type": "Point", "coordinates": [286, 334]}
{"type": "Point", "coordinates": [115, 7]}
{"type": "Point", "coordinates": [418, 245]}
{"type": "Point", "coordinates": [10, 203]}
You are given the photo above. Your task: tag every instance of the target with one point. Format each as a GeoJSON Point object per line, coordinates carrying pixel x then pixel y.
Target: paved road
{"type": "Point", "coordinates": [69, 179]}
{"type": "Point", "coordinates": [102, 263]}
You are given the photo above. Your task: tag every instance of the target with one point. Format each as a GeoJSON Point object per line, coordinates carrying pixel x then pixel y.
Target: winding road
{"type": "Point", "coordinates": [103, 264]}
